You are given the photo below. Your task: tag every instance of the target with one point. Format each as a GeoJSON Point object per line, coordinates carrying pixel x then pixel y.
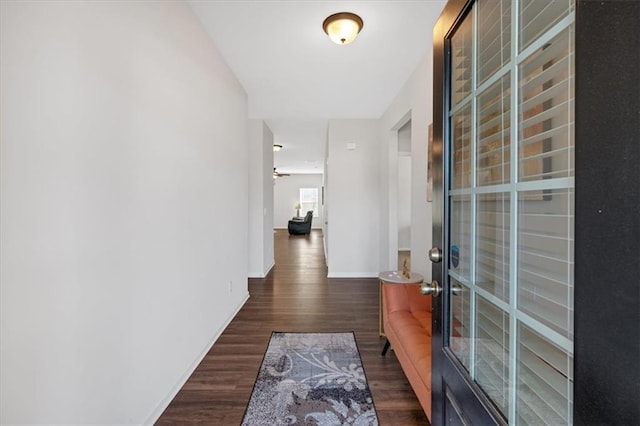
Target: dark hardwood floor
{"type": "Point", "coordinates": [295, 296]}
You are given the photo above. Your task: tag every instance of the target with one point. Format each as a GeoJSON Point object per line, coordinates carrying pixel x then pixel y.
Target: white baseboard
{"type": "Point", "coordinates": [266, 272]}
{"type": "Point", "coordinates": [262, 274]}
{"type": "Point", "coordinates": [353, 274]}
{"type": "Point", "coordinates": [157, 412]}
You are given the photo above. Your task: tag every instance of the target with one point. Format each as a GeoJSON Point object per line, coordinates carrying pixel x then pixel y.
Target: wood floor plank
{"type": "Point", "coordinates": [296, 296]}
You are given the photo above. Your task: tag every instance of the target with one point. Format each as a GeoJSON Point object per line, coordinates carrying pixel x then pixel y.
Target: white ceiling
{"type": "Point", "coordinates": [296, 78]}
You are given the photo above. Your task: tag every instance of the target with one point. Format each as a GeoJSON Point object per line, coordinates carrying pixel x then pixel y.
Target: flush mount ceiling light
{"type": "Point", "coordinates": [343, 27]}
{"type": "Point", "coordinates": [276, 147]}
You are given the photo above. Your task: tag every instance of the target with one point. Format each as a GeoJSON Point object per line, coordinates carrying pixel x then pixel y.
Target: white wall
{"type": "Point", "coordinates": [287, 195]}
{"type": "Point", "coordinates": [261, 256]}
{"type": "Point", "coordinates": [354, 182]}
{"type": "Point", "coordinates": [123, 207]}
{"type": "Point", "coordinates": [415, 99]}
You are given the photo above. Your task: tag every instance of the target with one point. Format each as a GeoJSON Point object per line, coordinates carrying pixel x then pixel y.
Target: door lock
{"type": "Point", "coordinates": [433, 288]}
{"type": "Point", "coordinates": [435, 255]}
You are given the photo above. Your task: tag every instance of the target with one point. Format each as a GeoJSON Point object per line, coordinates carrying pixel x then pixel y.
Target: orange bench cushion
{"type": "Point", "coordinates": [407, 325]}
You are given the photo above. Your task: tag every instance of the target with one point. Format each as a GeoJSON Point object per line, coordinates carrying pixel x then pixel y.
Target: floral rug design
{"type": "Point", "coordinates": [311, 379]}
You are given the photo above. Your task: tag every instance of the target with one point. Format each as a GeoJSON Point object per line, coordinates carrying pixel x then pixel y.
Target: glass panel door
{"type": "Point", "coordinates": [511, 205]}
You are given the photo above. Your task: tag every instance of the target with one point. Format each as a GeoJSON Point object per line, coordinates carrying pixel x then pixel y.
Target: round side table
{"type": "Point", "coordinates": [393, 277]}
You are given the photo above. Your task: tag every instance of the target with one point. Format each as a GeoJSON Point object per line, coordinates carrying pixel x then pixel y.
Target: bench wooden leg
{"type": "Point", "coordinates": [386, 347]}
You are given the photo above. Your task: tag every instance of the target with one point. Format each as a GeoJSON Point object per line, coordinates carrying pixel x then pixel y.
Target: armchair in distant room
{"type": "Point", "coordinates": [301, 226]}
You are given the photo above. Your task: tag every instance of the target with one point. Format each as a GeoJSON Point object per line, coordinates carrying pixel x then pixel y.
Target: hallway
{"type": "Point", "coordinates": [295, 296]}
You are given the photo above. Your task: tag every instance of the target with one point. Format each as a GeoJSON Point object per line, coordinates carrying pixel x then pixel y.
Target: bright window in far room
{"type": "Point", "coordinates": [309, 201]}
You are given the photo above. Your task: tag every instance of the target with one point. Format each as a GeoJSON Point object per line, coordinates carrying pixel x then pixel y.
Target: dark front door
{"type": "Point", "coordinates": [514, 330]}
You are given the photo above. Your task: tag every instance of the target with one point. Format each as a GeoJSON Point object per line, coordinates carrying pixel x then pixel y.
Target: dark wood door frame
{"type": "Point", "coordinates": [470, 408]}
{"type": "Point", "coordinates": [607, 209]}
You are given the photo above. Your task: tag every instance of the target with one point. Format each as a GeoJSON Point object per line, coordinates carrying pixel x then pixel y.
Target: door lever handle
{"type": "Point", "coordinates": [433, 288]}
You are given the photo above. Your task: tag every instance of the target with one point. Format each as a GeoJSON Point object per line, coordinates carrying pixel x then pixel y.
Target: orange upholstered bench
{"type": "Point", "coordinates": [407, 326]}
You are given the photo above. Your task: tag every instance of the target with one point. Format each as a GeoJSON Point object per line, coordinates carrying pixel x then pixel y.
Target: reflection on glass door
{"type": "Point", "coordinates": [510, 200]}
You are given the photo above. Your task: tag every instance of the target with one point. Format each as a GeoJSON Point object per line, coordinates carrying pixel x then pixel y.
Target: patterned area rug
{"type": "Point", "coordinates": [311, 379]}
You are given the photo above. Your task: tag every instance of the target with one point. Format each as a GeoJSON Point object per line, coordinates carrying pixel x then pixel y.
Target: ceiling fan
{"type": "Point", "coordinates": [277, 174]}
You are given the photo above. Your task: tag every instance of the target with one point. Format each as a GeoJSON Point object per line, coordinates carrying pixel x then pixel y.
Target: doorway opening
{"type": "Point", "coordinates": [404, 197]}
